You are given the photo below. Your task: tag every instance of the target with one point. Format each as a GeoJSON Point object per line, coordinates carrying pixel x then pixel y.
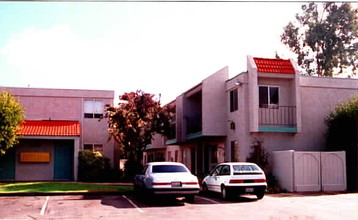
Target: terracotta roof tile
{"type": "Point", "coordinates": [274, 65]}
{"type": "Point", "coordinates": [50, 128]}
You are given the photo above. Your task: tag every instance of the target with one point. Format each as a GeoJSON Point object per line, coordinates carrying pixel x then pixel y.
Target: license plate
{"type": "Point", "coordinates": [249, 190]}
{"type": "Point", "coordinates": [176, 184]}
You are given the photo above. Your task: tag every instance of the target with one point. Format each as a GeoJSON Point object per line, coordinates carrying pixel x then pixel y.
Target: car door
{"type": "Point", "coordinates": [224, 175]}
{"type": "Point", "coordinates": [212, 180]}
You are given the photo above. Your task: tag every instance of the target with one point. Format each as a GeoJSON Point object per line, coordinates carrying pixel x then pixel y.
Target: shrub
{"type": "Point", "coordinates": [93, 167]}
{"type": "Point", "coordinates": [131, 168]}
{"type": "Point", "coordinates": [342, 135]}
{"type": "Point", "coordinates": [259, 155]}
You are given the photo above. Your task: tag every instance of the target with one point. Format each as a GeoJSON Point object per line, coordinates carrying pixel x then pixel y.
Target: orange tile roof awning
{"type": "Point", "coordinates": [50, 128]}
{"type": "Point", "coordinates": [274, 65]}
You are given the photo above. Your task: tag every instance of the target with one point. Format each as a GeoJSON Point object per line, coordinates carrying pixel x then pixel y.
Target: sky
{"type": "Point", "coordinates": [158, 47]}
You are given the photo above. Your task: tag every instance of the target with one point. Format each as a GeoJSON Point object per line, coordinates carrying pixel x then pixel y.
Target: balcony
{"type": "Point", "coordinates": [276, 118]}
{"type": "Point", "coordinates": [193, 126]}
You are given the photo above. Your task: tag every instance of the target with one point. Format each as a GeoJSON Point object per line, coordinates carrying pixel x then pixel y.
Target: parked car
{"type": "Point", "coordinates": [167, 178]}
{"type": "Point", "coordinates": [236, 178]}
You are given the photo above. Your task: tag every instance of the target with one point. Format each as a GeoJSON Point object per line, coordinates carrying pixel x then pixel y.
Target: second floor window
{"type": "Point", "coordinates": [93, 109]}
{"type": "Point", "coordinates": [268, 96]}
{"type": "Point", "coordinates": [93, 147]}
{"type": "Point", "coordinates": [233, 100]}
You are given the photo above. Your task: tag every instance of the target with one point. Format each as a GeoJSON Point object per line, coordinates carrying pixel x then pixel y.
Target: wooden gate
{"type": "Point", "coordinates": [310, 171]}
{"type": "Point", "coordinates": [333, 171]}
{"type": "Point", "coordinates": [307, 171]}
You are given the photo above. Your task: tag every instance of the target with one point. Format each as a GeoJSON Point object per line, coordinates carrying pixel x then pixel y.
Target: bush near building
{"type": "Point", "coordinates": [93, 166]}
{"type": "Point", "coordinates": [342, 135]}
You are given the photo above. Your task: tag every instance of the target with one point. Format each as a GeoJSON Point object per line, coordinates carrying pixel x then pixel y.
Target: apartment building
{"type": "Point", "coordinates": [220, 118]}
{"type": "Point", "coordinates": [58, 124]}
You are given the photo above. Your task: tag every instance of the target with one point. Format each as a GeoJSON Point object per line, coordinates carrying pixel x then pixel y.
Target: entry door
{"type": "Point", "coordinates": [7, 165]}
{"type": "Point", "coordinates": [63, 160]}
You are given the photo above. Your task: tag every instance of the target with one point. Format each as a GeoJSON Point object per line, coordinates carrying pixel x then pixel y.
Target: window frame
{"type": "Point", "coordinates": [234, 99]}
{"type": "Point", "coordinates": [269, 97]}
{"type": "Point", "coordinates": [93, 114]}
{"type": "Point", "coordinates": [93, 147]}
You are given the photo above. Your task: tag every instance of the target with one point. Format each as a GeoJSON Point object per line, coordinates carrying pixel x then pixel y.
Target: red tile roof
{"type": "Point", "coordinates": [274, 65]}
{"type": "Point", "coordinates": [50, 128]}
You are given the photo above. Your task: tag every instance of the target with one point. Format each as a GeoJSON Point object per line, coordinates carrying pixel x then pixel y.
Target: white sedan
{"type": "Point", "coordinates": [236, 178]}
{"type": "Point", "coordinates": [167, 178]}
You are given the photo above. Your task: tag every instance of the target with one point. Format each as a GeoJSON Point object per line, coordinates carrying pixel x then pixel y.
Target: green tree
{"type": "Point", "coordinates": [342, 135]}
{"type": "Point", "coordinates": [324, 38]}
{"type": "Point", "coordinates": [136, 119]}
{"type": "Point", "coordinates": [11, 116]}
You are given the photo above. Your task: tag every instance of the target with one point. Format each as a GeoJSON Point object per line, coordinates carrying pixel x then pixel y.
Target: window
{"type": "Point", "coordinates": [93, 147]}
{"type": "Point", "coordinates": [225, 170]}
{"type": "Point", "coordinates": [233, 100]}
{"type": "Point", "coordinates": [168, 169]}
{"type": "Point", "coordinates": [245, 169]}
{"type": "Point", "coordinates": [93, 109]}
{"type": "Point", "coordinates": [216, 170]}
{"type": "Point", "coordinates": [268, 96]}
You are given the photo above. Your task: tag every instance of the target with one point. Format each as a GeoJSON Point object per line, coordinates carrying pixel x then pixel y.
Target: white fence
{"type": "Point", "coordinates": [298, 171]}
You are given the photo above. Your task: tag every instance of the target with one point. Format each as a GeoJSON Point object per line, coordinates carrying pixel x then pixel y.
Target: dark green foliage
{"type": "Point", "coordinates": [324, 38]}
{"type": "Point", "coordinates": [11, 116]}
{"type": "Point", "coordinates": [94, 167]}
{"type": "Point", "coordinates": [259, 155]}
{"type": "Point", "coordinates": [342, 135]}
{"type": "Point", "coordinates": [131, 168]}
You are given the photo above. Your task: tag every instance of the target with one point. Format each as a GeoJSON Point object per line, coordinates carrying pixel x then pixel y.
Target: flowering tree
{"type": "Point", "coordinates": [136, 119]}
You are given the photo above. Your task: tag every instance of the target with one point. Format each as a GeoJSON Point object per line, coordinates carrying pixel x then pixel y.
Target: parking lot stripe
{"type": "Point", "coordinates": [133, 204]}
{"type": "Point", "coordinates": [44, 206]}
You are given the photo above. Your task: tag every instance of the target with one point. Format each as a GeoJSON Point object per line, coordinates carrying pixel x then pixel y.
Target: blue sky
{"type": "Point", "coordinates": [158, 47]}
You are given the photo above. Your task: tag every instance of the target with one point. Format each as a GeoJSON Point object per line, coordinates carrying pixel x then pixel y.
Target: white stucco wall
{"type": "Point", "coordinates": [214, 103]}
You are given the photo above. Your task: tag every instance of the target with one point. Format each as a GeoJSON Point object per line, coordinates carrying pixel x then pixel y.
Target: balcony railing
{"type": "Point", "coordinates": [276, 115]}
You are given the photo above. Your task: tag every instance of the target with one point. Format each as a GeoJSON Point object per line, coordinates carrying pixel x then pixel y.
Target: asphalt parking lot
{"type": "Point", "coordinates": [272, 207]}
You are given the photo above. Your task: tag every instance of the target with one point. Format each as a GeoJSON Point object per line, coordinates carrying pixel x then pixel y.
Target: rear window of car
{"type": "Point", "coordinates": [168, 169]}
{"type": "Point", "coordinates": [239, 169]}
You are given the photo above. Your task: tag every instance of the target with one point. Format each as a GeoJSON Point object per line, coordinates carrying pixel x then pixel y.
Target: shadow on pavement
{"type": "Point", "coordinates": [235, 199]}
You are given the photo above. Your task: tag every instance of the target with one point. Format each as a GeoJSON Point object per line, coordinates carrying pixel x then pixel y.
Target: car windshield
{"type": "Point", "coordinates": [168, 169]}
{"type": "Point", "coordinates": [246, 169]}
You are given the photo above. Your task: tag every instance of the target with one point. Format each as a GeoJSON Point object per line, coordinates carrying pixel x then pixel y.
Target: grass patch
{"type": "Point", "coordinates": [58, 187]}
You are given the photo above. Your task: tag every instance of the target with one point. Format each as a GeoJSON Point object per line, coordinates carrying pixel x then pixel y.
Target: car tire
{"type": "Point", "coordinates": [204, 188]}
{"type": "Point", "coordinates": [136, 189]}
{"type": "Point", "coordinates": [190, 198]}
{"type": "Point", "coordinates": [225, 193]}
{"type": "Point", "coordinates": [260, 194]}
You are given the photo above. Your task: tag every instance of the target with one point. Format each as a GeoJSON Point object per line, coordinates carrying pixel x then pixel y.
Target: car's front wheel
{"type": "Point", "coordinates": [204, 188]}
